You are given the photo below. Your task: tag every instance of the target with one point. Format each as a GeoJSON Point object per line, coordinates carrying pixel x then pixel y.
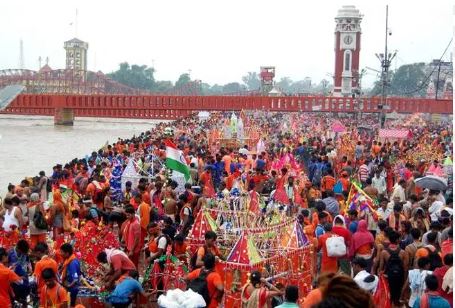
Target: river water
{"type": "Point", "coordinates": [31, 144]}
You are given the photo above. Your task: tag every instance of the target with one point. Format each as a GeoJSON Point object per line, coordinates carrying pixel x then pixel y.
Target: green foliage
{"type": "Point", "coordinates": [233, 87]}
{"type": "Point", "coordinates": [135, 76]}
{"type": "Point", "coordinates": [207, 89]}
{"type": "Point", "coordinates": [183, 80]}
{"type": "Point", "coordinates": [163, 86]}
{"type": "Point", "coordinates": [252, 81]}
{"type": "Point", "coordinates": [407, 80]}
{"type": "Point", "coordinates": [285, 84]}
{"type": "Point", "coordinates": [142, 77]}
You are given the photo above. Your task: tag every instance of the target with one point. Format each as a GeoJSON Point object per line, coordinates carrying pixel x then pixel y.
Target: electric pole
{"type": "Point", "coordinates": [385, 60]}
{"type": "Point", "coordinates": [437, 81]}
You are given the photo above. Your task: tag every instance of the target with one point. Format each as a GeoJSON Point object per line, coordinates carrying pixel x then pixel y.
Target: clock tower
{"type": "Point", "coordinates": [347, 51]}
{"type": "Point", "coordinates": [76, 57]}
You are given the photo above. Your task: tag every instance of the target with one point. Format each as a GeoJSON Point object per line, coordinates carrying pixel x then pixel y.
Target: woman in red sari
{"type": "Point", "coordinates": [280, 193]}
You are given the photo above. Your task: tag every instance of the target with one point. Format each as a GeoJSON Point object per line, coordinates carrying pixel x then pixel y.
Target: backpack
{"type": "Point", "coordinates": [194, 257]}
{"type": "Point", "coordinates": [168, 240]}
{"type": "Point", "coordinates": [199, 285]}
{"type": "Point", "coordinates": [435, 259]}
{"type": "Point", "coordinates": [49, 185]}
{"type": "Point", "coordinates": [394, 267]}
{"type": "Point", "coordinates": [338, 188]}
{"type": "Point", "coordinates": [336, 247]}
{"type": "Point", "coordinates": [38, 219]}
{"type": "Point", "coordinates": [190, 216]}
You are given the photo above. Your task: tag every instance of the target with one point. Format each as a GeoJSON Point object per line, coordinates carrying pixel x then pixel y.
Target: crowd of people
{"type": "Point", "coordinates": [399, 246]}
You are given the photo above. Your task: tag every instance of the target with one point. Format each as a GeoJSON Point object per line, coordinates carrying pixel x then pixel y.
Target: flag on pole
{"type": "Point", "coordinates": [175, 160]}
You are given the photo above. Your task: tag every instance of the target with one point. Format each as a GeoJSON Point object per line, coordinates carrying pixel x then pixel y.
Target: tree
{"type": "Point", "coordinates": [207, 89]}
{"type": "Point", "coordinates": [252, 81]}
{"type": "Point", "coordinates": [323, 87]}
{"type": "Point", "coordinates": [408, 80]}
{"type": "Point", "coordinates": [163, 86]}
{"type": "Point", "coordinates": [216, 89]}
{"type": "Point", "coordinates": [285, 84]}
{"type": "Point", "coordinates": [183, 80]}
{"type": "Point", "coordinates": [136, 76]}
{"type": "Point", "coordinates": [233, 87]}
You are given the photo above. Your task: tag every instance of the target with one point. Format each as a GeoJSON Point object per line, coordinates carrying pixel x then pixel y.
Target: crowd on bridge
{"type": "Point", "coordinates": [376, 212]}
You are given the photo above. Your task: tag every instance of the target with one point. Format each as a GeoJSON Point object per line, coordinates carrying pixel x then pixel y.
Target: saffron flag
{"type": "Point", "coordinates": [175, 160]}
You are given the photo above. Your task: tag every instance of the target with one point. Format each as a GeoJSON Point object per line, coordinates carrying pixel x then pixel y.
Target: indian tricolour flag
{"type": "Point", "coordinates": [175, 160]}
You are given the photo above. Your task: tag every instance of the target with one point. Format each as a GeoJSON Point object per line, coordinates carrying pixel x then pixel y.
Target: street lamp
{"type": "Point", "coordinates": [385, 59]}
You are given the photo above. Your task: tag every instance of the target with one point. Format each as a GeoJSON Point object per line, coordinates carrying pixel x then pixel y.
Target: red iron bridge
{"type": "Point", "coordinates": [174, 107]}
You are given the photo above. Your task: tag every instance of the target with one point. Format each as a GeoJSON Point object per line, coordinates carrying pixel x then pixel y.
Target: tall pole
{"type": "Point", "coordinates": [437, 81]}
{"type": "Point", "coordinates": [385, 59]}
{"type": "Point", "coordinates": [384, 69]}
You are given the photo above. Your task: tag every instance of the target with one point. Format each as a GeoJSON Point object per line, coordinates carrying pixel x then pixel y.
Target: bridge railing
{"type": "Point", "coordinates": [172, 107]}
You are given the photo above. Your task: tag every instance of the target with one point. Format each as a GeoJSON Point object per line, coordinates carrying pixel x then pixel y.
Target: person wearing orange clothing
{"type": "Point", "coordinates": [362, 243]}
{"type": "Point", "coordinates": [206, 181]}
{"type": "Point", "coordinates": [53, 294]}
{"type": "Point", "coordinates": [144, 215]}
{"type": "Point", "coordinates": [227, 159]}
{"type": "Point", "coordinates": [214, 282]}
{"type": "Point", "coordinates": [248, 163]}
{"type": "Point", "coordinates": [375, 149]}
{"type": "Point", "coordinates": [328, 264]}
{"type": "Point", "coordinates": [157, 244]}
{"type": "Point", "coordinates": [396, 218]}
{"type": "Point", "coordinates": [144, 194]}
{"type": "Point", "coordinates": [42, 254]}
{"type": "Point", "coordinates": [179, 248]}
{"type": "Point", "coordinates": [57, 212]}
{"type": "Point", "coordinates": [36, 234]}
{"type": "Point", "coordinates": [230, 180]}
{"type": "Point", "coordinates": [7, 277]}
{"type": "Point", "coordinates": [308, 229]}
{"type": "Point", "coordinates": [432, 245]}
{"type": "Point", "coordinates": [328, 181]}
{"type": "Point", "coordinates": [315, 296]}
{"type": "Point", "coordinates": [208, 247]}
{"type": "Point", "coordinates": [95, 190]}
{"type": "Point", "coordinates": [131, 235]}
{"type": "Point", "coordinates": [345, 183]}
{"type": "Point", "coordinates": [314, 193]}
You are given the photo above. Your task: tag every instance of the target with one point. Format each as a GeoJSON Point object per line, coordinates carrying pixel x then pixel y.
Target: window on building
{"type": "Point", "coordinates": [347, 60]}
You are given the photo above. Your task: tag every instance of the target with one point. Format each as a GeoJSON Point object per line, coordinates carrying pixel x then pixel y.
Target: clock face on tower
{"type": "Point", "coordinates": [348, 40]}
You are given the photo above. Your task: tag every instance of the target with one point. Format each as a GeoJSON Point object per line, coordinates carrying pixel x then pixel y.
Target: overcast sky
{"type": "Point", "coordinates": [220, 40]}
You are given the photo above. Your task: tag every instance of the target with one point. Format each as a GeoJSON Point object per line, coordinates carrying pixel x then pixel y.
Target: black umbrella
{"type": "Point", "coordinates": [432, 182]}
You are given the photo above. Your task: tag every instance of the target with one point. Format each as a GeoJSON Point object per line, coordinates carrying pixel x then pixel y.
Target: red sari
{"type": "Point", "coordinates": [280, 194]}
